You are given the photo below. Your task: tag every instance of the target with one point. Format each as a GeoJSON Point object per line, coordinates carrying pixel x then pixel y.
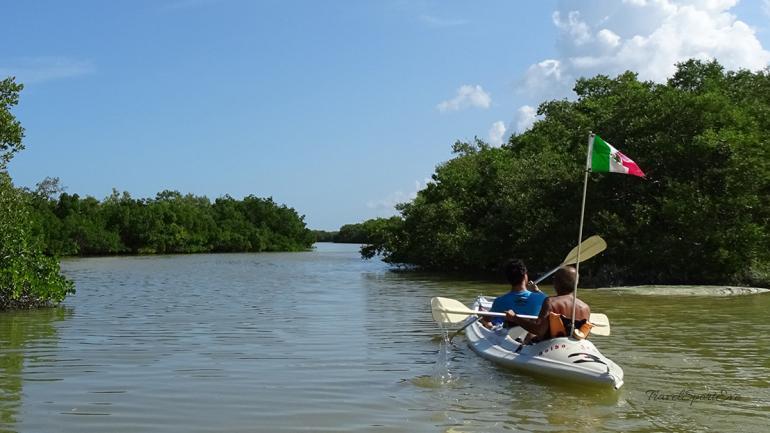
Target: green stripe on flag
{"type": "Point", "coordinates": [600, 155]}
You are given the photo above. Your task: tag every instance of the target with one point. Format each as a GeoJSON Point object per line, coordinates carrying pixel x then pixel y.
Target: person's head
{"type": "Point", "coordinates": [515, 272]}
{"type": "Point", "coordinates": [564, 280]}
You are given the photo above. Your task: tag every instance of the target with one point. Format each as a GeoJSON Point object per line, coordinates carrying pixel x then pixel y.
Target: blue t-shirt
{"type": "Point", "coordinates": [523, 302]}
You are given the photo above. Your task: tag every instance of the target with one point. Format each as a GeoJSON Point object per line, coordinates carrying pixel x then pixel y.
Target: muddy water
{"type": "Point", "coordinates": [323, 341]}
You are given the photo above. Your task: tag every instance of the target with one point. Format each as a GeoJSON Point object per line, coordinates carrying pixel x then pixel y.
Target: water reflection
{"type": "Point", "coordinates": [26, 337]}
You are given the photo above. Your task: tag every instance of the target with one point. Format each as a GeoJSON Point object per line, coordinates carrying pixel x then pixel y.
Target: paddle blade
{"type": "Point", "coordinates": [601, 324]}
{"type": "Point", "coordinates": [588, 248]}
{"type": "Point", "coordinates": [447, 311]}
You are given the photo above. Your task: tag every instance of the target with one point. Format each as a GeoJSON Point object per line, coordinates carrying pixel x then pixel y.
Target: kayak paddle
{"type": "Point", "coordinates": [451, 312]}
{"type": "Point", "coordinates": [588, 248]}
{"type": "Point", "coordinates": [448, 311]}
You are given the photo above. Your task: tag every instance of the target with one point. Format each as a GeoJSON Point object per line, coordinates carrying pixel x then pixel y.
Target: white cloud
{"type": "Point", "coordinates": [435, 21]}
{"type": "Point", "coordinates": [467, 96]}
{"type": "Point", "coordinates": [608, 38]}
{"type": "Point", "coordinates": [526, 116]}
{"type": "Point", "coordinates": [540, 78]}
{"type": "Point", "coordinates": [577, 29]}
{"type": "Point", "coordinates": [646, 36]}
{"type": "Point", "coordinates": [497, 133]}
{"type": "Point", "coordinates": [388, 203]}
{"type": "Point", "coordinates": [38, 69]}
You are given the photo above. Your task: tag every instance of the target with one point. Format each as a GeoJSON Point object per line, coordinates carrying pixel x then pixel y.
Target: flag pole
{"type": "Point", "coordinates": [580, 232]}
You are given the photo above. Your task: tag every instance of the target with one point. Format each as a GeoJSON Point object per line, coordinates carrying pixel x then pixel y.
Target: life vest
{"type": "Point", "coordinates": [557, 328]}
{"type": "Point", "coordinates": [556, 325]}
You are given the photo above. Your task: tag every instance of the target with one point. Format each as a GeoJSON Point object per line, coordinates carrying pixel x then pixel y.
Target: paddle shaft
{"type": "Point", "coordinates": [456, 333]}
{"type": "Point", "coordinates": [485, 313]}
{"type": "Point", "coordinates": [481, 313]}
{"type": "Point", "coordinates": [601, 318]}
{"type": "Point", "coordinates": [547, 274]}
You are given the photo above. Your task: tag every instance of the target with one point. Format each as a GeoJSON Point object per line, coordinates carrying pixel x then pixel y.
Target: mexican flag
{"type": "Point", "coordinates": [603, 157]}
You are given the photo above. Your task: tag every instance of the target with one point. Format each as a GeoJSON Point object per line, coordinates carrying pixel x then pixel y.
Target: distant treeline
{"type": "Point", "coordinates": [702, 216]}
{"type": "Point", "coordinates": [36, 227]}
{"type": "Point", "coordinates": [324, 236]}
{"type": "Point", "coordinates": [69, 224]}
{"type": "Point", "coordinates": [360, 233]}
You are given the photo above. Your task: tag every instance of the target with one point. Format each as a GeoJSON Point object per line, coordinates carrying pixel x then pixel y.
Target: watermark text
{"type": "Point", "coordinates": [689, 396]}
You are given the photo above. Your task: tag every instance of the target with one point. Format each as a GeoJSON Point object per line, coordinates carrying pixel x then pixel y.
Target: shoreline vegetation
{"type": "Point", "coordinates": [170, 223]}
{"type": "Point", "coordinates": [37, 227]}
{"type": "Point", "coordinates": [359, 233]}
{"type": "Point", "coordinates": [702, 216]}
{"type": "Point", "coordinates": [28, 277]}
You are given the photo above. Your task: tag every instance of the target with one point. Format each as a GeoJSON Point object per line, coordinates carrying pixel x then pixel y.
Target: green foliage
{"type": "Point", "coordinates": [324, 236]}
{"type": "Point", "coordinates": [11, 132]}
{"type": "Point", "coordinates": [352, 234]}
{"type": "Point", "coordinates": [28, 278]}
{"type": "Point", "coordinates": [368, 232]}
{"type": "Point", "coordinates": [378, 232]}
{"type": "Point", "coordinates": [170, 223]}
{"type": "Point", "coordinates": [702, 216]}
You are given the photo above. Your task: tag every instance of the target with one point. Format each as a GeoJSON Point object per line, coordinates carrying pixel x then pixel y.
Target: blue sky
{"type": "Point", "coordinates": [336, 108]}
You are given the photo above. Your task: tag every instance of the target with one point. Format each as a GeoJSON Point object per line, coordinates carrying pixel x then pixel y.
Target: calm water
{"type": "Point", "coordinates": [323, 341]}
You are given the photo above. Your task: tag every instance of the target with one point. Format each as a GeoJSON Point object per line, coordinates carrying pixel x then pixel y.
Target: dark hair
{"type": "Point", "coordinates": [514, 271]}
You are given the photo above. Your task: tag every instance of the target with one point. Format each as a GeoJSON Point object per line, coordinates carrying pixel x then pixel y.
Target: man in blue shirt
{"type": "Point", "coordinates": [519, 299]}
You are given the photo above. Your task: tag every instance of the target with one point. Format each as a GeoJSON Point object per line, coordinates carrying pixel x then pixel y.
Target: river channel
{"type": "Point", "coordinates": [324, 341]}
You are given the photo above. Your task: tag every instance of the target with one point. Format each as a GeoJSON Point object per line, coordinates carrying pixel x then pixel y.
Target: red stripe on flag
{"type": "Point", "coordinates": [627, 162]}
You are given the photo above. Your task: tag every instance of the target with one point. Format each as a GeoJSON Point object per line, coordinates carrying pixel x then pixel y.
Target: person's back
{"type": "Point", "coordinates": [519, 298]}
{"type": "Point", "coordinates": [562, 304]}
{"type": "Point", "coordinates": [557, 307]}
{"type": "Point", "coordinates": [522, 302]}
{"type": "Point", "coordinates": [561, 308]}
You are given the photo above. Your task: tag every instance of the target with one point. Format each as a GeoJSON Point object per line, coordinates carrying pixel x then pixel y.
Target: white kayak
{"type": "Point", "coordinates": [561, 358]}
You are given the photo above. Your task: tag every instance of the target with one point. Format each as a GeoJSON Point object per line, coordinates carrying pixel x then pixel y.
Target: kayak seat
{"type": "Point", "coordinates": [517, 334]}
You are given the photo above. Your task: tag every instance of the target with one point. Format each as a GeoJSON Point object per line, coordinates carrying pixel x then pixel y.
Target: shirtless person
{"type": "Point", "coordinates": [561, 304]}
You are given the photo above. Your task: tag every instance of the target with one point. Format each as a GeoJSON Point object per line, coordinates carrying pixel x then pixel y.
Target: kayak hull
{"type": "Point", "coordinates": [561, 358]}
